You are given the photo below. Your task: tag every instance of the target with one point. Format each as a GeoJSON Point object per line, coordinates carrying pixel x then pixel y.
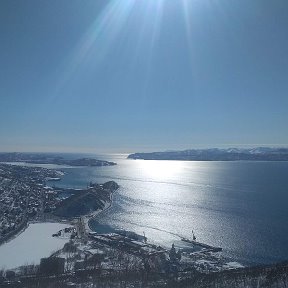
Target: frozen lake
{"type": "Point", "coordinates": [30, 246]}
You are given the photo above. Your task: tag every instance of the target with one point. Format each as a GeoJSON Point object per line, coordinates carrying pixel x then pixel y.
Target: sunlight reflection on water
{"type": "Point", "coordinates": [239, 206]}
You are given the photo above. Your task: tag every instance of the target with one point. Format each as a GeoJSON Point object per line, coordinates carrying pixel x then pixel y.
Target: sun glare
{"type": "Point", "coordinates": [103, 34]}
{"type": "Point", "coordinates": [160, 169]}
{"type": "Point", "coordinates": [104, 30]}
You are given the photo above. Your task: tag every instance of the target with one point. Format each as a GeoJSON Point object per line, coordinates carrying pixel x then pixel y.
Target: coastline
{"type": "Point", "coordinates": [62, 221]}
{"type": "Point", "coordinates": [95, 214]}
{"type": "Point", "coordinates": [59, 220]}
{"type": "Point", "coordinates": [15, 234]}
{"type": "Point", "coordinates": [29, 247]}
{"type": "Point", "coordinates": [26, 226]}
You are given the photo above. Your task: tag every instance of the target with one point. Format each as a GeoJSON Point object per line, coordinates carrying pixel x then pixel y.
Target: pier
{"type": "Point", "coordinates": [207, 248]}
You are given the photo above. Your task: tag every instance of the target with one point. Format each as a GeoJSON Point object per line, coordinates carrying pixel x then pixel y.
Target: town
{"type": "Point", "coordinates": [95, 259]}
{"type": "Point", "coordinates": [24, 197]}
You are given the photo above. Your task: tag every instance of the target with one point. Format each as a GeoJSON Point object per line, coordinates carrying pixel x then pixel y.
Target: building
{"type": "Point", "coordinates": [52, 266]}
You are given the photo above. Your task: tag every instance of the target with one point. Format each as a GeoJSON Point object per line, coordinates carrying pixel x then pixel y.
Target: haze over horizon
{"type": "Point", "coordinates": [142, 75]}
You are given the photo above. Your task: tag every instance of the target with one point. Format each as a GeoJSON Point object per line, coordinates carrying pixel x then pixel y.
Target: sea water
{"type": "Point", "coordinates": [239, 206]}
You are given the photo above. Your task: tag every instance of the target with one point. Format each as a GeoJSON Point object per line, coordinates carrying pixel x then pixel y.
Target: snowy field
{"type": "Point", "coordinates": [30, 246]}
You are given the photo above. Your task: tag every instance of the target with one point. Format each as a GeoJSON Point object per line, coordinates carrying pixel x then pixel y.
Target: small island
{"type": "Point", "coordinates": [216, 154]}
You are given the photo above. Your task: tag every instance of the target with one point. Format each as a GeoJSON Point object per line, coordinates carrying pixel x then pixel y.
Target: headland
{"type": "Point", "coordinates": [117, 255]}
{"type": "Point", "coordinates": [216, 154]}
{"type": "Point", "coordinates": [41, 158]}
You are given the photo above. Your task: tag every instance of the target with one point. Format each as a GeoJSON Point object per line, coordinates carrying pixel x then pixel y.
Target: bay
{"type": "Point", "coordinates": [239, 206]}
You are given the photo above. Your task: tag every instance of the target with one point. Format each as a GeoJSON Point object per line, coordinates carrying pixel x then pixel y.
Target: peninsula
{"type": "Point", "coordinates": [86, 201]}
{"type": "Point", "coordinates": [216, 154]}
{"type": "Point", "coordinates": [115, 258]}
{"type": "Point", "coordinates": [41, 158]}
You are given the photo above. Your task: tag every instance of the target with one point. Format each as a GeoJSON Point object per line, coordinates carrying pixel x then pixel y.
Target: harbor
{"type": "Point", "coordinates": [205, 247]}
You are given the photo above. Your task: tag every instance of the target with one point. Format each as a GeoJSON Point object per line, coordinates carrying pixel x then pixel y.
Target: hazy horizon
{"type": "Point", "coordinates": [131, 151]}
{"type": "Point", "coordinates": [124, 76]}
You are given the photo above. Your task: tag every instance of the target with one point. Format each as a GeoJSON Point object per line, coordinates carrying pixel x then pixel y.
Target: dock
{"type": "Point", "coordinates": [207, 248]}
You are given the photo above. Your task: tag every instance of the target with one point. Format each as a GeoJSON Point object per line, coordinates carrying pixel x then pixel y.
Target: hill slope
{"type": "Point", "coordinates": [87, 201]}
{"type": "Point", "coordinates": [215, 154]}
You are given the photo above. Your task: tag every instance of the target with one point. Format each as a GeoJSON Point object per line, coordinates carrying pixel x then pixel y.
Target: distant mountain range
{"type": "Point", "coordinates": [217, 154]}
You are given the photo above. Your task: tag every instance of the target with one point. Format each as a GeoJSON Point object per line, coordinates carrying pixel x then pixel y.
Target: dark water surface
{"type": "Point", "coordinates": [239, 206]}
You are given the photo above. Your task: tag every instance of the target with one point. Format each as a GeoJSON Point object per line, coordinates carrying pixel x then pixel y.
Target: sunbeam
{"type": "Point", "coordinates": [99, 38]}
{"type": "Point", "coordinates": [186, 8]}
{"type": "Point", "coordinates": [148, 36]}
{"type": "Point", "coordinates": [103, 35]}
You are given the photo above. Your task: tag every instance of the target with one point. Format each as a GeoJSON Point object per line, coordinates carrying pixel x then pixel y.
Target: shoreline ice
{"type": "Point", "coordinates": [31, 245]}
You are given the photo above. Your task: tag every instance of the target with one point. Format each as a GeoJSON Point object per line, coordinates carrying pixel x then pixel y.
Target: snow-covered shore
{"type": "Point", "coordinates": [30, 246]}
{"type": "Point", "coordinates": [96, 214]}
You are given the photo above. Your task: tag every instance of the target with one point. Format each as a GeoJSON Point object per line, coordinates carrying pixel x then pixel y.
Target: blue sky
{"type": "Point", "coordinates": [142, 75]}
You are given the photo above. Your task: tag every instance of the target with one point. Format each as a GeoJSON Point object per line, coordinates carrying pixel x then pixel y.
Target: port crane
{"type": "Point", "coordinates": [194, 237]}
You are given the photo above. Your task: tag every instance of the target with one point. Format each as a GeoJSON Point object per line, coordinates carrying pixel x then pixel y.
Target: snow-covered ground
{"type": "Point", "coordinates": [33, 244]}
